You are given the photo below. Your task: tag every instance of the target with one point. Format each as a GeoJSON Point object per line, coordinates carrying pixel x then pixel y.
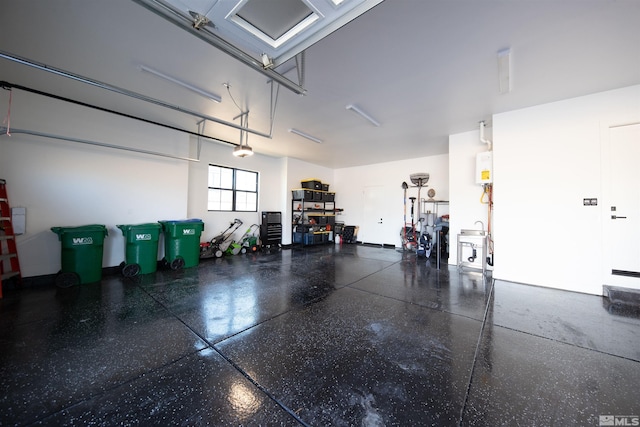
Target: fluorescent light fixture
{"type": "Point", "coordinates": [209, 95]}
{"type": "Point", "coordinates": [363, 114]}
{"type": "Point", "coordinates": [504, 70]}
{"type": "Point", "coordinates": [306, 135]}
{"type": "Point", "coordinates": [242, 151]}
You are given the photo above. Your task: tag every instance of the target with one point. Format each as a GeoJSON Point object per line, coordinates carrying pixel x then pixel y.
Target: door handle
{"type": "Point", "coordinates": [618, 217]}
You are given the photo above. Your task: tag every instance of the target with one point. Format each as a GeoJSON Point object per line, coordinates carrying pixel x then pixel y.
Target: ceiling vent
{"type": "Point", "coordinates": [274, 22]}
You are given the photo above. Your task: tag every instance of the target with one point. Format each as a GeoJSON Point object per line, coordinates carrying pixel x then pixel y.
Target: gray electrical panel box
{"type": "Point", "coordinates": [19, 220]}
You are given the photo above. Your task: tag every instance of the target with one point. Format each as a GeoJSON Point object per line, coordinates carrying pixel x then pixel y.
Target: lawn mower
{"type": "Point", "coordinates": [249, 240]}
{"type": "Point", "coordinates": [217, 246]}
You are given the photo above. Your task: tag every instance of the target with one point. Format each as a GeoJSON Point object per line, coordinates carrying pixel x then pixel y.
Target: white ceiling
{"type": "Point", "coordinates": [424, 69]}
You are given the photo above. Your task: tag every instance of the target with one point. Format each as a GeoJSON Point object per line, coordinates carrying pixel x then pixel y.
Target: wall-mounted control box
{"type": "Point", "coordinates": [19, 220]}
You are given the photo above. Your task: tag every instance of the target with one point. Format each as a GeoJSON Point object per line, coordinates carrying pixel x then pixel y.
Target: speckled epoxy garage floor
{"type": "Point", "coordinates": [319, 336]}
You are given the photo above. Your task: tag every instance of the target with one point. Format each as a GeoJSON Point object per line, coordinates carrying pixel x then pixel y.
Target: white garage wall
{"type": "Point", "coordinates": [351, 184]}
{"type": "Point", "coordinates": [64, 183]}
{"type": "Point", "coordinates": [546, 160]}
{"type": "Point", "coordinates": [270, 195]}
{"type": "Point", "coordinates": [296, 171]}
{"type": "Point", "coordinates": [466, 206]}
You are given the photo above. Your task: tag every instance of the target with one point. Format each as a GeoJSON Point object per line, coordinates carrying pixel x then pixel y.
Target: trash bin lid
{"type": "Point", "coordinates": [167, 224]}
{"type": "Point", "coordinates": [128, 227]}
{"type": "Point", "coordinates": [179, 221]}
{"type": "Point", "coordinates": [94, 233]}
{"type": "Point", "coordinates": [92, 228]}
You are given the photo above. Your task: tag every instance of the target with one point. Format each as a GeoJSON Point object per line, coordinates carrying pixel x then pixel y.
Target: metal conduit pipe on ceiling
{"type": "Point", "coordinates": [126, 92]}
{"type": "Point", "coordinates": [9, 86]}
{"type": "Point", "coordinates": [9, 132]}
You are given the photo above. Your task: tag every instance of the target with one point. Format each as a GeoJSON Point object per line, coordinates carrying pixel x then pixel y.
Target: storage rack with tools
{"type": "Point", "coordinates": [438, 226]}
{"type": "Point", "coordinates": [312, 213]}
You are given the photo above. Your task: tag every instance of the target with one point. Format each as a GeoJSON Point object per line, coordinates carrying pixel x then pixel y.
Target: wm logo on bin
{"type": "Point", "coordinates": [189, 231]}
{"type": "Point", "coordinates": [83, 240]}
{"type": "Point", "coordinates": [143, 236]}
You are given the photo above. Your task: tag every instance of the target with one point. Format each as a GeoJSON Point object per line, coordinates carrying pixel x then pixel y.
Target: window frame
{"type": "Point", "coordinates": [234, 188]}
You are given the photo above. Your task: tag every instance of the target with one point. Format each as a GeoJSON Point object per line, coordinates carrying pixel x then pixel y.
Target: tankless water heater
{"type": "Point", "coordinates": [484, 167]}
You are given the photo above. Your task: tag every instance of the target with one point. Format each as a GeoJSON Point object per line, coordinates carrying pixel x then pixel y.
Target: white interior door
{"type": "Point", "coordinates": [624, 215]}
{"type": "Point", "coordinates": [378, 222]}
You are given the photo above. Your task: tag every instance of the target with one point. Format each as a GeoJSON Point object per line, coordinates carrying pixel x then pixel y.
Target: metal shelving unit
{"type": "Point", "coordinates": [312, 216]}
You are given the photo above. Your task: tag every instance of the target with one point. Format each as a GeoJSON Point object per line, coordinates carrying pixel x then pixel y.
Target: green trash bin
{"type": "Point", "coordinates": [182, 242]}
{"type": "Point", "coordinates": [82, 249]}
{"type": "Point", "coordinates": [141, 249]}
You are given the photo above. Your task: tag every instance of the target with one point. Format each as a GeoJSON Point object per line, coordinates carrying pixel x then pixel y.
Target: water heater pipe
{"type": "Point", "coordinates": [482, 138]}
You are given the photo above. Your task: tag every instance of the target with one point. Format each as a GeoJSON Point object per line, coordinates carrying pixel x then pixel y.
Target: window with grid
{"type": "Point", "coordinates": [232, 189]}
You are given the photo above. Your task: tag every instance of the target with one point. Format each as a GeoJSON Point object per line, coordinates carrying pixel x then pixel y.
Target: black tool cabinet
{"type": "Point", "coordinates": [271, 229]}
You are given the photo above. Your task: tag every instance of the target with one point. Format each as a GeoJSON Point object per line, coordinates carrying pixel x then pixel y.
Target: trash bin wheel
{"type": "Point", "coordinates": [68, 279]}
{"type": "Point", "coordinates": [130, 270]}
{"type": "Point", "coordinates": [177, 264]}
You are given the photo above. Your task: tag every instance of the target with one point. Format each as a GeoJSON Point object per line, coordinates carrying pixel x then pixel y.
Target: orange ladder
{"type": "Point", "coordinates": [9, 264]}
